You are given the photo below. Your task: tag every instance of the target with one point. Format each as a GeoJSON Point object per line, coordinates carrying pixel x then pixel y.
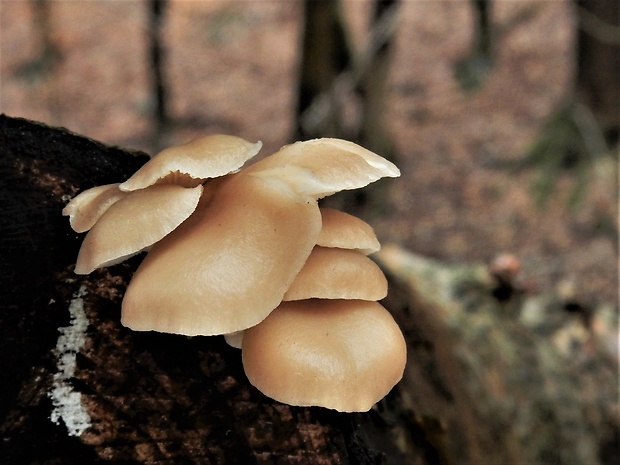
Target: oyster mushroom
{"type": "Point", "coordinates": [228, 266]}
{"type": "Point", "coordinates": [135, 222]}
{"type": "Point", "coordinates": [340, 354]}
{"type": "Point", "coordinates": [191, 164]}
{"type": "Point", "coordinates": [234, 339]}
{"type": "Point", "coordinates": [338, 274]}
{"type": "Point", "coordinates": [223, 257]}
{"type": "Point", "coordinates": [85, 209]}
{"type": "Point", "coordinates": [322, 167]}
{"type": "Point", "coordinates": [344, 231]}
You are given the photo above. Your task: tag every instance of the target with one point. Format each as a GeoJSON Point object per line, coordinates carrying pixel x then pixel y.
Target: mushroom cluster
{"type": "Point", "coordinates": [248, 254]}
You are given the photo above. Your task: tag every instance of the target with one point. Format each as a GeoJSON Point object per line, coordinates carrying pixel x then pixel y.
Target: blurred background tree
{"type": "Point", "coordinates": [334, 70]}
{"type": "Point", "coordinates": [584, 127]}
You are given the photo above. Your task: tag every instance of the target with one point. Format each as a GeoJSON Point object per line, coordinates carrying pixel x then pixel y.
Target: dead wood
{"type": "Point", "coordinates": [119, 395]}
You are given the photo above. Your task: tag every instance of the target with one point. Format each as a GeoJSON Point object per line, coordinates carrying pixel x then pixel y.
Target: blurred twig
{"type": "Point", "coordinates": [602, 30]}
{"type": "Point", "coordinates": [157, 10]}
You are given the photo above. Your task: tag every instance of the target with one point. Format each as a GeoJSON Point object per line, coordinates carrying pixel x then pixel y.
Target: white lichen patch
{"type": "Point", "coordinates": [68, 403]}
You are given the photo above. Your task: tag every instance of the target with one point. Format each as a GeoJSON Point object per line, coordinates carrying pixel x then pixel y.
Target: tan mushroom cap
{"type": "Point", "coordinates": [346, 231]}
{"type": "Point", "coordinates": [321, 167]}
{"type": "Point", "coordinates": [234, 339]}
{"type": "Point", "coordinates": [338, 274]}
{"type": "Point", "coordinates": [135, 222]}
{"type": "Point", "coordinates": [340, 354]}
{"type": "Point", "coordinates": [87, 207]}
{"type": "Point", "coordinates": [192, 163]}
{"type": "Point", "coordinates": [228, 266]}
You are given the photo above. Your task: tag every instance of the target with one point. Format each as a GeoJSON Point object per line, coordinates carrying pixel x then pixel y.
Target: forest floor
{"type": "Point", "coordinates": [231, 67]}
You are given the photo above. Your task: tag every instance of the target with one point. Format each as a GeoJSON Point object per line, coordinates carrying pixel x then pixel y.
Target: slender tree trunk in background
{"type": "Point", "coordinates": [473, 69]}
{"type": "Point", "coordinates": [324, 56]}
{"type": "Point", "coordinates": [157, 9]}
{"type": "Point", "coordinates": [374, 81]}
{"type": "Point", "coordinates": [585, 125]}
{"type": "Point", "coordinates": [49, 52]}
{"type": "Point", "coordinates": [484, 30]}
{"type": "Point", "coordinates": [598, 62]}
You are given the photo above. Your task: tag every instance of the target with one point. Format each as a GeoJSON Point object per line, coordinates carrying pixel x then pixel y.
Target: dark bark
{"type": "Point", "coordinates": [151, 397]}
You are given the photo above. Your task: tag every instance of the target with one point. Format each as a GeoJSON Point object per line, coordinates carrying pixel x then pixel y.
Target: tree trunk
{"type": "Point", "coordinates": [79, 388]}
{"type": "Point", "coordinates": [161, 119]}
{"type": "Point", "coordinates": [373, 85]}
{"type": "Point", "coordinates": [325, 54]}
{"type": "Point", "coordinates": [472, 71]}
{"type": "Point", "coordinates": [508, 376]}
{"type": "Point", "coordinates": [598, 63]}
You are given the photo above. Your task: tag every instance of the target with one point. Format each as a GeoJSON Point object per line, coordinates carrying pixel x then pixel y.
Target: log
{"type": "Point", "coordinates": [496, 372]}
{"type": "Point", "coordinates": [77, 387]}
{"type": "Point", "coordinates": [511, 375]}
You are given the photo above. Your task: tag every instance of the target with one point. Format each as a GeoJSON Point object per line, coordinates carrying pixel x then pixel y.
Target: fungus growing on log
{"type": "Point", "coordinates": [340, 354]}
{"type": "Point", "coordinates": [229, 246]}
{"type": "Point", "coordinates": [191, 164]}
{"type": "Point", "coordinates": [331, 273]}
{"type": "Point", "coordinates": [228, 266]}
{"type": "Point", "coordinates": [136, 221]}
{"type": "Point", "coordinates": [344, 231]}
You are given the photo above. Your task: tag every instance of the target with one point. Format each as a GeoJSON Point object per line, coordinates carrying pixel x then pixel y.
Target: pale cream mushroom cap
{"type": "Point", "coordinates": [135, 222]}
{"type": "Point", "coordinates": [229, 265]}
{"type": "Point", "coordinates": [192, 163]}
{"type": "Point", "coordinates": [321, 167]}
{"type": "Point", "coordinates": [346, 231]}
{"type": "Point", "coordinates": [338, 274]}
{"type": "Point", "coordinates": [87, 207]}
{"type": "Point", "coordinates": [340, 354]}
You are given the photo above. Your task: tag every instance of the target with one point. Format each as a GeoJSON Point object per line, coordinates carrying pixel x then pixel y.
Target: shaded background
{"type": "Point", "coordinates": [233, 67]}
{"type": "Point", "coordinates": [464, 123]}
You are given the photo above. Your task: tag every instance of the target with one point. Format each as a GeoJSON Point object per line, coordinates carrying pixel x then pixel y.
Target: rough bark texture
{"type": "Point", "coordinates": [117, 395]}
{"type": "Point", "coordinates": [508, 375]}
